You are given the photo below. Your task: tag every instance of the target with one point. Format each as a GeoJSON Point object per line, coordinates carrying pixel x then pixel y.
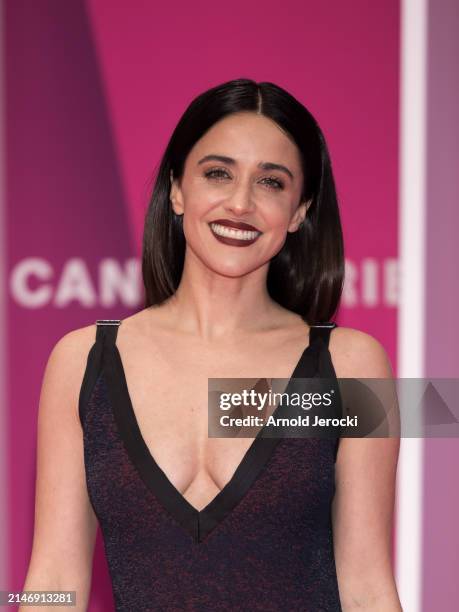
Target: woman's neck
{"type": "Point", "coordinates": [212, 306]}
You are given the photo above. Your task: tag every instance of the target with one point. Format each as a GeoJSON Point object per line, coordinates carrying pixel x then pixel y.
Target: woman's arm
{"type": "Point", "coordinates": [65, 524]}
{"type": "Point", "coordinates": [363, 506]}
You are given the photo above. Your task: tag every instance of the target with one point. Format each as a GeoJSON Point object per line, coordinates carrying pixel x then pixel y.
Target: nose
{"type": "Point", "coordinates": [240, 201]}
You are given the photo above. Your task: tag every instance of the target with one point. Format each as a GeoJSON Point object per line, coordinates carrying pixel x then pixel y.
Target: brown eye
{"type": "Point", "coordinates": [217, 173]}
{"type": "Point", "coordinates": [274, 182]}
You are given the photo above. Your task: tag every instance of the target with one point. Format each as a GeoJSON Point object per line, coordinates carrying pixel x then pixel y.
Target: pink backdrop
{"type": "Point", "coordinates": [93, 92]}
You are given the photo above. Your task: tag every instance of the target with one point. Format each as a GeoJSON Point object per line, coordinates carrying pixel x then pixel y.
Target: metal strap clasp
{"type": "Point", "coordinates": [108, 322]}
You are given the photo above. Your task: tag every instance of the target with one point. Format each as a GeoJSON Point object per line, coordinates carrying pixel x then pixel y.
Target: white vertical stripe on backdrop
{"type": "Point", "coordinates": [4, 497]}
{"type": "Point", "coordinates": [411, 317]}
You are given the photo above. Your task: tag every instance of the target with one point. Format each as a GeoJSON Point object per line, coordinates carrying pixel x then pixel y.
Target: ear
{"type": "Point", "coordinates": [298, 216]}
{"type": "Point", "coordinates": [175, 196]}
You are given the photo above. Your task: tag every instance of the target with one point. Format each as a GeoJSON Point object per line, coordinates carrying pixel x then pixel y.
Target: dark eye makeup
{"type": "Point", "coordinates": [220, 174]}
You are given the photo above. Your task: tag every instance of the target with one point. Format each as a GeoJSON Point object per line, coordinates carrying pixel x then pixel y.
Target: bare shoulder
{"type": "Point", "coordinates": [356, 354]}
{"type": "Point", "coordinates": [72, 348]}
{"type": "Point", "coordinates": [66, 365]}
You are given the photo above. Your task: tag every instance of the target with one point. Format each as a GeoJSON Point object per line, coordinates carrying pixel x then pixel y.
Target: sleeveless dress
{"type": "Point", "coordinates": [265, 542]}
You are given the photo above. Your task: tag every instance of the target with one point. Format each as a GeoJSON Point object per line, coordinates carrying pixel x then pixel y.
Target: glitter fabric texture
{"type": "Point", "coordinates": [266, 545]}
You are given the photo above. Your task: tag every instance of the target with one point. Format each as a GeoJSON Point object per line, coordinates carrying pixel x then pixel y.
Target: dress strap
{"type": "Point", "coordinates": [105, 335]}
{"type": "Point", "coordinates": [321, 331]}
{"type": "Point", "coordinates": [325, 368]}
{"type": "Point", "coordinates": [107, 330]}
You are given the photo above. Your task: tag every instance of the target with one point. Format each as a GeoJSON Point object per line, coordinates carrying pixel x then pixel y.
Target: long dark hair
{"type": "Point", "coordinates": [307, 274]}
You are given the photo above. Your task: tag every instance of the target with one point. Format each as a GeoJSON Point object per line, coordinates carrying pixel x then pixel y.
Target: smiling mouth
{"type": "Point", "coordinates": [233, 236]}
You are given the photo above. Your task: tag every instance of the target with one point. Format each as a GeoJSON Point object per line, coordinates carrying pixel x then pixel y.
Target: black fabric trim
{"type": "Point", "coordinates": [327, 370]}
{"type": "Point", "coordinates": [91, 374]}
{"type": "Point", "coordinates": [93, 364]}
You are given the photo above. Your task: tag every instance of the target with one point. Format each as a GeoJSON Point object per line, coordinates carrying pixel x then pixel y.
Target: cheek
{"type": "Point", "coordinates": [196, 210]}
{"type": "Point", "coordinates": [199, 200]}
{"type": "Point", "coordinates": [278, 216]}
{"type": "Point", "coordinates": [196, 205]}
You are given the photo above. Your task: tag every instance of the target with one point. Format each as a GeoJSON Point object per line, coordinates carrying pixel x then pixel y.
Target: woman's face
{"type": "Point", "coordinates": [243, 173]}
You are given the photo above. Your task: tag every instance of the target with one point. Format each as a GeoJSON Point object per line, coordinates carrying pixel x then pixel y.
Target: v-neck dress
{"type": "Point", "coordinates": [265, 542]}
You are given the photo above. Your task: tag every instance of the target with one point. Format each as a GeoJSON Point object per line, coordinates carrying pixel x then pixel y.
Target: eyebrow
{"type": "Point", "coordinates": [230, 161]}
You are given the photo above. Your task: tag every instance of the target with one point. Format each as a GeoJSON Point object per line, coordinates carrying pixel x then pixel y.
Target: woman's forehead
{"type": "Point", "coordinates": [247, 137]}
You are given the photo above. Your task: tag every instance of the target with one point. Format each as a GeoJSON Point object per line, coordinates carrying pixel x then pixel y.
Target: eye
{"type": "Point", "coordinates": [221, 174]}
{"type": "Point", "coordinates": [216, 173]}
{"type": "Point", "coordinates": [274, 182]}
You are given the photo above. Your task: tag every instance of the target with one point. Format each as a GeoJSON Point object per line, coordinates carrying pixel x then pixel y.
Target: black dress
{"type": "Point", "coordinates": [265, 542]}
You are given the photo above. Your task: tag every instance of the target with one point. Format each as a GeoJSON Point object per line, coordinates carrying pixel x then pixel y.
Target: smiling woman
{"type": "Point", "coordinates": [243, 267]}
{"type": "Point", "coordinates": [242, 187]}
{"type": "Point", "coordinates": [251, 153]}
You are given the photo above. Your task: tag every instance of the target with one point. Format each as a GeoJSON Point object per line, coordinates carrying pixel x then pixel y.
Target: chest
{"type": "Point", "coordinates": [166, 391]}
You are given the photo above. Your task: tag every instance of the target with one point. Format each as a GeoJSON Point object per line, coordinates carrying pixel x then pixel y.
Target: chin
{"type": "Point", "coordinates": [234, 269]}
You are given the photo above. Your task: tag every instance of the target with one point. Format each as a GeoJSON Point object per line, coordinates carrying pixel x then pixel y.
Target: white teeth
{"type": "Point", "coordinates": [231, 232]}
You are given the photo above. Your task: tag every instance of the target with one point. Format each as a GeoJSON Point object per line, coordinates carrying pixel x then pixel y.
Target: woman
{"type": "Point", "coordinates": [242, 260]}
